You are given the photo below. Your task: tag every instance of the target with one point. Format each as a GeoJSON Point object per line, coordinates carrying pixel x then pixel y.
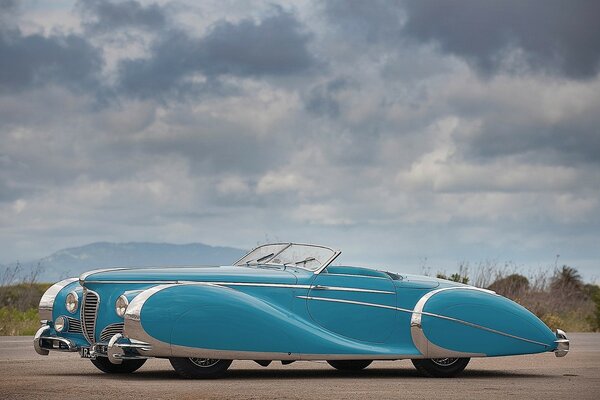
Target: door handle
{"type": "Point", "coordinates": [320, 287]}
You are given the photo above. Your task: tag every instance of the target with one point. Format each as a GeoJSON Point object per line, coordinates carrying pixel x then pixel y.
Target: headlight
{"type": "Point", "coordinates": [60, 324]}
{"type": "Point", "coordinates": [121, 305]}
{"type": "Point", "coordinates": [71, 302]}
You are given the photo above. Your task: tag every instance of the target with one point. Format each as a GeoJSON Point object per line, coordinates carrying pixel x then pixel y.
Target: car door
{"type": "Point", "coordinates": [358, 307]}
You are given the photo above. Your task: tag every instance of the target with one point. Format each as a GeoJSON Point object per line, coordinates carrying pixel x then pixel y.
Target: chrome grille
{"type": "Point", "coordinates": [89, 308]}
{"type": "Point", "coordinates": [110, 331]}
{"type": "Point", "coordinates": [74, 325]}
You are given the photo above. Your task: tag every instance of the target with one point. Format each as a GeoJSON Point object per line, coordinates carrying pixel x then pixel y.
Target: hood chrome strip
{"type": "Point", "coordinates": [97, 271]}
{"type": "Point", "coordinates": [251, 284]}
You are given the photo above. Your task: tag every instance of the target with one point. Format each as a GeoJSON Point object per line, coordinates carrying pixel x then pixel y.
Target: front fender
{"type": "Point", "coordinates": [205, 320]}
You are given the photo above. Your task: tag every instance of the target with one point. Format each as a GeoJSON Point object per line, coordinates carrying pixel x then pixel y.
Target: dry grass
{"type": "Point", "coordinates": [19, 298]}
{"type": "Point", "coordinates": [560, 297]}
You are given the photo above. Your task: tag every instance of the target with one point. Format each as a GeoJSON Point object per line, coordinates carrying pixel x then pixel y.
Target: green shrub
{"type": "Point", "coordinates": [456, 277]}
{"type": "Point", "coordinates": [14, 322]}
{"type": "Point", "coordinates": [594, 319]}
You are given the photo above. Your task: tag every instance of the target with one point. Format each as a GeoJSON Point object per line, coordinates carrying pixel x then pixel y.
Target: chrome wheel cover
{"type": "Point", "coordinates": [204, 362]}
{"type": "Point", "coordinates": [444, 362]}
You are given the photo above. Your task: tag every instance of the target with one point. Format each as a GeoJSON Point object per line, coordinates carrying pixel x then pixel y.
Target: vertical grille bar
{"type": "Point", "coordinates": [89, 309]}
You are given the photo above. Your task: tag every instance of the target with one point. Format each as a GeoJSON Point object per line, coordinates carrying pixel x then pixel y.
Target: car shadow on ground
{"type": "Point", "coordinates": [278, 374]}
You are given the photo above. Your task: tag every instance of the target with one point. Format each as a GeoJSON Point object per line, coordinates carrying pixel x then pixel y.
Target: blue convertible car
{"type": "Point", "coordinates": [285, 302]}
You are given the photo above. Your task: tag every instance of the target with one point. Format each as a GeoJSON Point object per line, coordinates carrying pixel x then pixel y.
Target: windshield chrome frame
{"type": "Point", "coordinates": [317, 271]}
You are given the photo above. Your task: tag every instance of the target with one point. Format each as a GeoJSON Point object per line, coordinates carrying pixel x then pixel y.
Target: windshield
{"type": "Point", "coordinates": [307, 256]}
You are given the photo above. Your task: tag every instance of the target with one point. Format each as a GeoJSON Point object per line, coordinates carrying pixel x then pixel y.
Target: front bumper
{"type": "Point", "coordinates": [43, 342]}
{"type": "Point", "coordinates": [562, 344]}
{"type": "Point", "coordinates": [117, 349]}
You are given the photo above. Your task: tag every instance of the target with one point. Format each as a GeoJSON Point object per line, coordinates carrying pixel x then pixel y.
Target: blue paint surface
{"type": "Point", "coordinates": [302, 318]}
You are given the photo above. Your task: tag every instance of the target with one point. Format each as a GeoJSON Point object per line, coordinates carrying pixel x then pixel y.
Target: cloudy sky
{"type": "Point", "coordinates": [404, 133]}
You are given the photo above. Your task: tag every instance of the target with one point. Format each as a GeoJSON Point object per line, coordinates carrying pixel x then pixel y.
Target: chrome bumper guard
{"type": "Point", "coordinates": [117, 349]}
{"type": "Point", "coordinates": [120, 348]}
{"type": "Point", "coordinates": [562, 344]}
{"type": "Point", "coordinates": [43, 344]}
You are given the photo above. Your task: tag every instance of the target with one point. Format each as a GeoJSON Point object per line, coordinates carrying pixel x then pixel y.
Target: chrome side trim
{"type": "Point", "coordinates": [169, 282]}
{"type": "Point", "coordinates": [359, 303]}
{"type": "Point", "coordinates": [358, 276]}
{"type": "Point", "coordinates": [46, 304]}
{"type": "Point", "coordinates": [347, 289]}
{"type": "Point", "coordinates": [158, 282]}
{"type": "Point", "coordinates": [255, 284]}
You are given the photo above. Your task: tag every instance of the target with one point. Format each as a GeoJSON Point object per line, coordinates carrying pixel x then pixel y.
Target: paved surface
{"type": "Point", "coordinates": [25, 375]}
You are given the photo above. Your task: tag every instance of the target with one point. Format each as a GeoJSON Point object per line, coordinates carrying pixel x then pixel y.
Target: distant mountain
{"type": "Point", "coordinates": [74, 261]}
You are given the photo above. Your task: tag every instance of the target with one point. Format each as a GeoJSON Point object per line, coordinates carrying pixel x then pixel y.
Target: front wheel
{"type": "Point", "coordinates": [441, 367]}
{"type": "Point", "coordinates": [126, 367]}
{"type": "Point", "coordinates": [350, 365]}
{"type": "Point", "coordinates": [200, 368]}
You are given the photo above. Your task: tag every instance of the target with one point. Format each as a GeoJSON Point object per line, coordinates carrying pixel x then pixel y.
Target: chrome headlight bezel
{"type": "Point", "coordinates": [61, 324]}
{"type": "Point", "coordinates": [72, 302]}
{"type": "Point", "coordinates": [121, 305]}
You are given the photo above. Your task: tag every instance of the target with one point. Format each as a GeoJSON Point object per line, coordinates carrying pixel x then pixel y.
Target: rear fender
{"type": "Point", "coordinates": [469, 322]}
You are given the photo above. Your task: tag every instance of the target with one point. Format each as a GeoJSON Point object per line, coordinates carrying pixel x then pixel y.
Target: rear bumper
{"type": "Point", "coordinates": [562, 344]}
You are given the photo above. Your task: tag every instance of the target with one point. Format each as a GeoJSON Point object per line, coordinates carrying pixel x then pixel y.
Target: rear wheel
{"type": "Point", "coordinates": [200, 368]}
{"type": "Point", "coordinates": [350, 365]}
{"type": "Point", "coordinates": [126, 367]}
{"type": "Point", "coordinates": [441, 367]}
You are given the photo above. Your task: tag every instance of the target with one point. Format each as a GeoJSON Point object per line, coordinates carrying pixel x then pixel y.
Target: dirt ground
{"type": "Point", "coordinates": [25, 375]}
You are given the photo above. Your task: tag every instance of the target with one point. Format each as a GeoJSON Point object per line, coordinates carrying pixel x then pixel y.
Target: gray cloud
{"type": "Point", "coordinates": [554, 36]}
{"type": "Point", "coordinates": [228, 123]}
{"type": "Point", "coordinates": [366, 21]}
{"type": "Point", "coordinates": [33, 60]}
{"type": "Point", "coordinates": [512, 35]}
{"type": "Point", "coordinates": [107, 16]}
{"type": "Point", "coordinates": [564, 142]}
{"type": "Point", "coordinates": [8, 6]}
{"type": "Point", "coordinates": [274, 46]}
{"type": "Point", "coordinates": [322, 98]}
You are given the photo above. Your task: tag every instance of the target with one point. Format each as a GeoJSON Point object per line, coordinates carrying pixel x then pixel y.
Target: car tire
{"type": "Point", "coordinates": [126, 367]}
{"type": "Point", "coordinates": [199, 368]}
{"type": "Point", "coordinates": [440, 367]}
{"type": "Point", "coordinates": [349, 365]}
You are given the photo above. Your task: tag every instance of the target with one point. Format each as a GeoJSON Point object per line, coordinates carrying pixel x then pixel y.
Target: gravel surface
{"type": "Point", "coordinates": [25, 375]}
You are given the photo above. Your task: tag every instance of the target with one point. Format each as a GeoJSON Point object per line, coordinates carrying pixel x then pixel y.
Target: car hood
{"type": "Point", "coordinates": [194, 274]}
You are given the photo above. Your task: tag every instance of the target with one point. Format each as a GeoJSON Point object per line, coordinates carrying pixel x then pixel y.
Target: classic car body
{"type": "Point", "coordinates": [283, 302]}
